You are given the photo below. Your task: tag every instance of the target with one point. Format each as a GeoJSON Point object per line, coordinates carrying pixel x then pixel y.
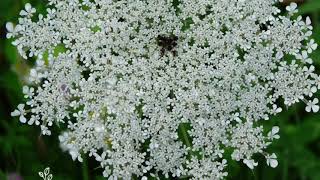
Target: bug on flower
{"type": "Point", "coordinates": [167, 44]}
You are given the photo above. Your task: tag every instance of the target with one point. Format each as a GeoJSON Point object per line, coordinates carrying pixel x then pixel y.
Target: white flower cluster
{"type": "Point", "coordinates": [163, 88]}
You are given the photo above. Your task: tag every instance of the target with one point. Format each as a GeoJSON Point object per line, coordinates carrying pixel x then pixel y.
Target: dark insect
{"type": "Point", "coordinates": [167, 44]}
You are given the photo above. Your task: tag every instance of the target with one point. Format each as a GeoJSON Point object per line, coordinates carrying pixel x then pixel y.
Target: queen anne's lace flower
{"type": "Point", "coordinates": [158, 87]}
{"type": "Point", "coordinates": [313, 105]}
{"type": "Point", "coordinates": [20, 112]}
{"type": "Point", "coordinates": [272, 160]}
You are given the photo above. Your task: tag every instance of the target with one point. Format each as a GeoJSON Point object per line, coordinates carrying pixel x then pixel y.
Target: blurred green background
{"type": "Point", "coordinates": [23, 152]}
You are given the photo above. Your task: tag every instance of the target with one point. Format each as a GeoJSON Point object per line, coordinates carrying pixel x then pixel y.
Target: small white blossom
{"type": "Point", "coordinates": [276, 109]}
{"type": "Point", "coordinates": [34, 120]}
{"type": "Point", "coordinates": [273, 134]}
{"type": "Point", "coordinates": [279, 55]}
{"type": "Point", "coordinates": [250, 163]}
{"type": "Point", "coordinates": [29, 10]}
{"type": "Point", "coordinates": [292, 8]}
{"type": "Point", "coordinates": [313, 105]}
{"type": "Point", "coordinates": [272, 160]}
{"type": "Point", "coordinates": [311, 46]}
{"type": "Point", "coordinates": [29, 92]}
{"type": "Point", "coordinates": [10, 29]}
{"type": "Point", "coordinates": [75, 155]}
{"type": "Point", "coordinates": [45, 130]}
{"type": "Point", "coordinates": [308, 23]}
{"type": "Point", "coordinates": [308, 70]}
{"type": "Point", "coordinates": [304, 57]}
{"type": "Point", "coordinates": [311, 90]}
{"type": "Point", "coordinates": [236, 117]}
{"type": "Point", "coordinates": [20, 112]}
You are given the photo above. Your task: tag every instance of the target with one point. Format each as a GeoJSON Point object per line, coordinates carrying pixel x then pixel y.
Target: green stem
{"type": "Point", "coordinates": [85, 173]}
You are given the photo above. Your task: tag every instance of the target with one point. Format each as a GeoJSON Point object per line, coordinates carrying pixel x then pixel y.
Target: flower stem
{"type": "Point", "coordinates": [85, 173]}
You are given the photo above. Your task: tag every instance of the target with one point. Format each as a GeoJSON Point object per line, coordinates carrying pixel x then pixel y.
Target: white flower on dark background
{"type": "Point", "coordinates": [313, 105]}
{"type": "Point", "coordinates": [250, 163]}
{"type": "Point", "coordinates": [165, 86]}
{"type": "Point", "coordinates": [273, 134]}
{"type": "Point", "coordinates": [20, 112]}
{"type": "Point", "coordinates": [28, 11]}
{"type": "Point", "coordinates": [272, 160]}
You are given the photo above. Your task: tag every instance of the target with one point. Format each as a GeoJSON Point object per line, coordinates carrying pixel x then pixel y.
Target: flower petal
{"type": "Point", "coordinates": [308, 108]}
{"type": "Point", "coordinates": [22, 119]}
{"type": "Point", "coordinates": [315, 108]}
{"type": "Point", "coordinates": [273, 163]}
{"type": "Point", "coordinates": [21, 107]}
{"type": "Point", "coordinates": [9, 27]}
{"type": "Point", "coordinates": [15, 113]}
{"type": "Point", "coordinates": [28, 7]}
{"type": "Point", "coordinates": [23, 13]}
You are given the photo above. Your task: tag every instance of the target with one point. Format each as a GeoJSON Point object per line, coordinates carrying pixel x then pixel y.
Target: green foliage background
{"type": "Point", "coordinates": [24, 152]}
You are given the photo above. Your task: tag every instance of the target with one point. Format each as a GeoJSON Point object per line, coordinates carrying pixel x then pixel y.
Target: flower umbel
{"type": "Point", "coordinates": [152, 88]}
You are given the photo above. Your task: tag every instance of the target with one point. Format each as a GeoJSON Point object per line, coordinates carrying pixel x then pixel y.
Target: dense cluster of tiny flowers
{"type": "Point", "coordinates": [164, 87]}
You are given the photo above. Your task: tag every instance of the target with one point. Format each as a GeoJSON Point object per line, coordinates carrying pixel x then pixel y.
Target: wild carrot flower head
{"type": "Point", "coordinates": [151, 87]}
